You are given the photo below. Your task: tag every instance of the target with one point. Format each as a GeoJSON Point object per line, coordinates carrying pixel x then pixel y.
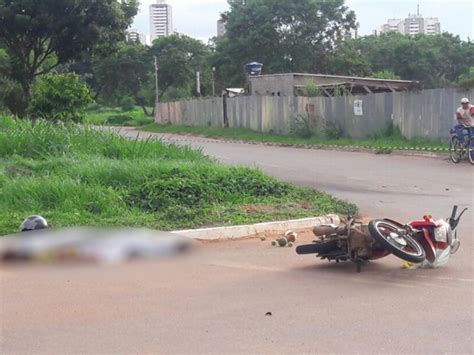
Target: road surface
{"type": "Point", "coordinates": [216, 301]}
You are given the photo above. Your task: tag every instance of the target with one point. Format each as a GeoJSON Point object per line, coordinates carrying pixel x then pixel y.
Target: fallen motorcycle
{"type": "Point", "coordinates": [428, 241]}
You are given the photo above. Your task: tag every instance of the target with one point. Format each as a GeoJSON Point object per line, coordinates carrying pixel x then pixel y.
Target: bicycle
{"type": "Point", "coordinates": [458, 149]}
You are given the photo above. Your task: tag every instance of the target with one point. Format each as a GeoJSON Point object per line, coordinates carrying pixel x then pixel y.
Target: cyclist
{"type": "Point", "coordinates": [465, 117]}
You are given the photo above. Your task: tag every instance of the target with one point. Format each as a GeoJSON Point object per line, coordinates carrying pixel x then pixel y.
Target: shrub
{"type": "Point", "coordinates": [333, 131]}
{"type": "Point", "coordinates": [59, 97]}
{"type": "Point", "coordinates": [301, 127]}
{"type": "Point", "coordinates": [127, 104]}
{"type": "Point", "coordinates": [118, 120]}
{"type": "Point", "coordinates": [386, 74]}
{"type": "Point", "coordinates": [312, 90]}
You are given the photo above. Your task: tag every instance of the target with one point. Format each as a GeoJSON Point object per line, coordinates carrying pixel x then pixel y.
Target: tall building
{"type": "Point", "coordinates": [133, 35]}
{"type": "Point", "coordinates": [412, 25]}
{"type": "Point", "coordinates": [161, 19]}
{"type": "Point", "coordinates": [221, 28]}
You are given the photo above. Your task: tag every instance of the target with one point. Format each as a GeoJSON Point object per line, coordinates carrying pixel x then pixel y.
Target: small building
{"type": "Point", "coordinates": [294, 84]}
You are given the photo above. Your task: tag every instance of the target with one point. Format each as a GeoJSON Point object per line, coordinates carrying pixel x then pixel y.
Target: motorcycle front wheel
{"type": "Point", "coordinates": [397, 241]}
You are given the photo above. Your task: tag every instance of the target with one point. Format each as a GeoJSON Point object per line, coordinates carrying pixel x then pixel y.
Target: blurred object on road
{"type": "Point", "coordinates": [91, 245]}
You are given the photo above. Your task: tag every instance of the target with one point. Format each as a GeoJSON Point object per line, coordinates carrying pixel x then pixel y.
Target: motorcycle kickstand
{"type": "Point", "coordinates": [360, 263]}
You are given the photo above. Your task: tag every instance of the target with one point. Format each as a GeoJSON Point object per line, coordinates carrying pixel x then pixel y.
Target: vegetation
{"type": "Point", "coordinates": [466, 81]}
{"type": "Point", "coordinates": [59, 98]}
{"type": "Point", "coordinates": [435, 61]}
{"type": "Point", "coordinates": [286, 36]}
{"type": "Point", "coordinates": [300, 136]}
{"type": "Point", "coordinates": [38, 36]}
{"type": "Point", "coordinates": [117, 117]}
{"type": "Point", "coordinates": [79, 176]}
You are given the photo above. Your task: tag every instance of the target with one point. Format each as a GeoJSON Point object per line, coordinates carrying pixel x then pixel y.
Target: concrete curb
{"type": "Point", "coordinates": [245, 231]}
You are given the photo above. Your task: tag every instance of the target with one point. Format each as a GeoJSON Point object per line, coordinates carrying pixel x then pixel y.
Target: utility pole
{"type": "Point", "coordinates": [213, 81]}
{"type": "Point", "coordinates": [156, 82]}
{"type": "Point", "coordinates": [198, 83]}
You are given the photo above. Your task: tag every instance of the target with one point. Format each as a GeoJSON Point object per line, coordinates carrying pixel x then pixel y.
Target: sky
{"type": "Point", "coordinates": [198, 18]}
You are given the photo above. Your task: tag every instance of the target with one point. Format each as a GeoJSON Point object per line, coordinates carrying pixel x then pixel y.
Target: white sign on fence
{"type": "Point", "coordinates": [358, 111]}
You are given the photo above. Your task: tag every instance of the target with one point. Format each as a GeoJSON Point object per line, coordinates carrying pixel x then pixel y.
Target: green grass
{"type": "Point", "coordinates": [383, 140]}
{"type": "Point", "coordinates": [79, 176]}
{"type": "Point", "coordinates": [116, 117]}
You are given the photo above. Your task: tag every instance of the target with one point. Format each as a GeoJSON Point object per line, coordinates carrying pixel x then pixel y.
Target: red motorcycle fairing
{"type": "Point", "coordinates": [378, 254]}
{"type": "Point", "coordinates": [427, 244]}
{"type": "Point", "coordinates": [427, 240]}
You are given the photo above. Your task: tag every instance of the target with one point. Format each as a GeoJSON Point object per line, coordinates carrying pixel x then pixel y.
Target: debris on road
{"type": "Point", "coordinates": [288, 239]}
{"type": "Point", "coordinates": [291, 236]}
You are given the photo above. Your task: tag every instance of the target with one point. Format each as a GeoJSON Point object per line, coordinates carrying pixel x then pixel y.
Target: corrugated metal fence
{"type": "Point", "coordinates": [427, 113]}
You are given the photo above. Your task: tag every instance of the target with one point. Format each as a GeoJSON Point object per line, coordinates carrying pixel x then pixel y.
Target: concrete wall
{"type": "Point", "coordinates": [428, 113]}
{"type": "Point", "coordinates": [273, 85]}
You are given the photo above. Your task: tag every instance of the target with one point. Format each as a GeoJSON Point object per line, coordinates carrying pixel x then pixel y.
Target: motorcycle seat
{"type": "Point", "coordinates": [422, 224]}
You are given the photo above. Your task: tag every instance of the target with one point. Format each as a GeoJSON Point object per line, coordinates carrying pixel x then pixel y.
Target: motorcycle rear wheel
{"type": "Point", "coordinates": [322, 247]}
{"type": "Point", "coordinates": [396, 241]}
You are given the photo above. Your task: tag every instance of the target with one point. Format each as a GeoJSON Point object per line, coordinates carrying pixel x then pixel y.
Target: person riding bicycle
{"type": "Point", "coordinates": [465, 117]}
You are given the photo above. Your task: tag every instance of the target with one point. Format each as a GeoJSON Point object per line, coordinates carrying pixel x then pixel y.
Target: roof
{"type": "Point", "coordinates": [339, 77]}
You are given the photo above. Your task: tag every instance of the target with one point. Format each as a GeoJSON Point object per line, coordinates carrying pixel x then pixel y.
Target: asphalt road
{"type": "Point", "coordinates": [215, 301]}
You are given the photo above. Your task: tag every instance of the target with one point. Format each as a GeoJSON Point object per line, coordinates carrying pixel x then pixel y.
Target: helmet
{"type": "Point", "coordinates": [465, 100]}
{"type": "Point", "coordinates": [32, 223]}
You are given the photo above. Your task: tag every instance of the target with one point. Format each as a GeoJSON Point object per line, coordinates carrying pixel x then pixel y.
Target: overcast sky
{"type": "Point", "coordinates": [198, 18]}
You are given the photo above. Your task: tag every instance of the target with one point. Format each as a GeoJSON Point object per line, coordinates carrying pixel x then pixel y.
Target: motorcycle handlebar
{"type": "Point", "coordinates": [453, 215]}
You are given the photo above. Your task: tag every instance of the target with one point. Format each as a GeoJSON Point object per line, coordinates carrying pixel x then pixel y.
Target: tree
{"type": "Point", "coordinates": [10, 91]}
{"type": "Point", "coordinates": [348, 60]}
{"type": "Point", "coordinates": [434, 60]}
{"type": "Point", "coordinates": [286, 36]}
{"type": "Point", "coordinates": [40, 35]}
{"type": "Point", "coordinates": [466, 81]}
{"type": "Point", "coordinates": [179, 58]}
{"type": "Point", "coordinates": [126, 73]}
{"type": "Point", "coordinates": [59, 97]}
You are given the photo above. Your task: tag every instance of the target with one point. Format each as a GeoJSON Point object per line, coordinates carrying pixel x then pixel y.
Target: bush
{"type": "Point", "coordinates": [386, 74]}
{"type": "Point", "coordinates": [118, 120]}
{"type": "Point", "coordinates": [59, 97]}
{"type": "Point", "coordinates": [127, 104]}
{"type": "Point", "coordinates": [301, 127]}
{"type": "Point", "coordinates": [312, 90]}
{"type": "Point", "coordinates": [333, 131]}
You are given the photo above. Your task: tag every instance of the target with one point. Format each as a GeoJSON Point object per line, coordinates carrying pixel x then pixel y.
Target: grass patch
{"type": "Point", "coordinates": [79, 176]}
{"type": "Point", "coordinates": [385, 141]}
{"type": "Point", "coordinates": [97, 115]}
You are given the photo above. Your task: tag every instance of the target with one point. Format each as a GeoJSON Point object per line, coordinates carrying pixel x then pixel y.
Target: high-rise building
{"type": "Point", "coordinates": [221, 28]}
{"type": "Point", "coordinates": [133, 35]}
{"type": "Point", "coordinates": [161, 19]}
{"type": "Point", "coordinates": [412, 25]}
